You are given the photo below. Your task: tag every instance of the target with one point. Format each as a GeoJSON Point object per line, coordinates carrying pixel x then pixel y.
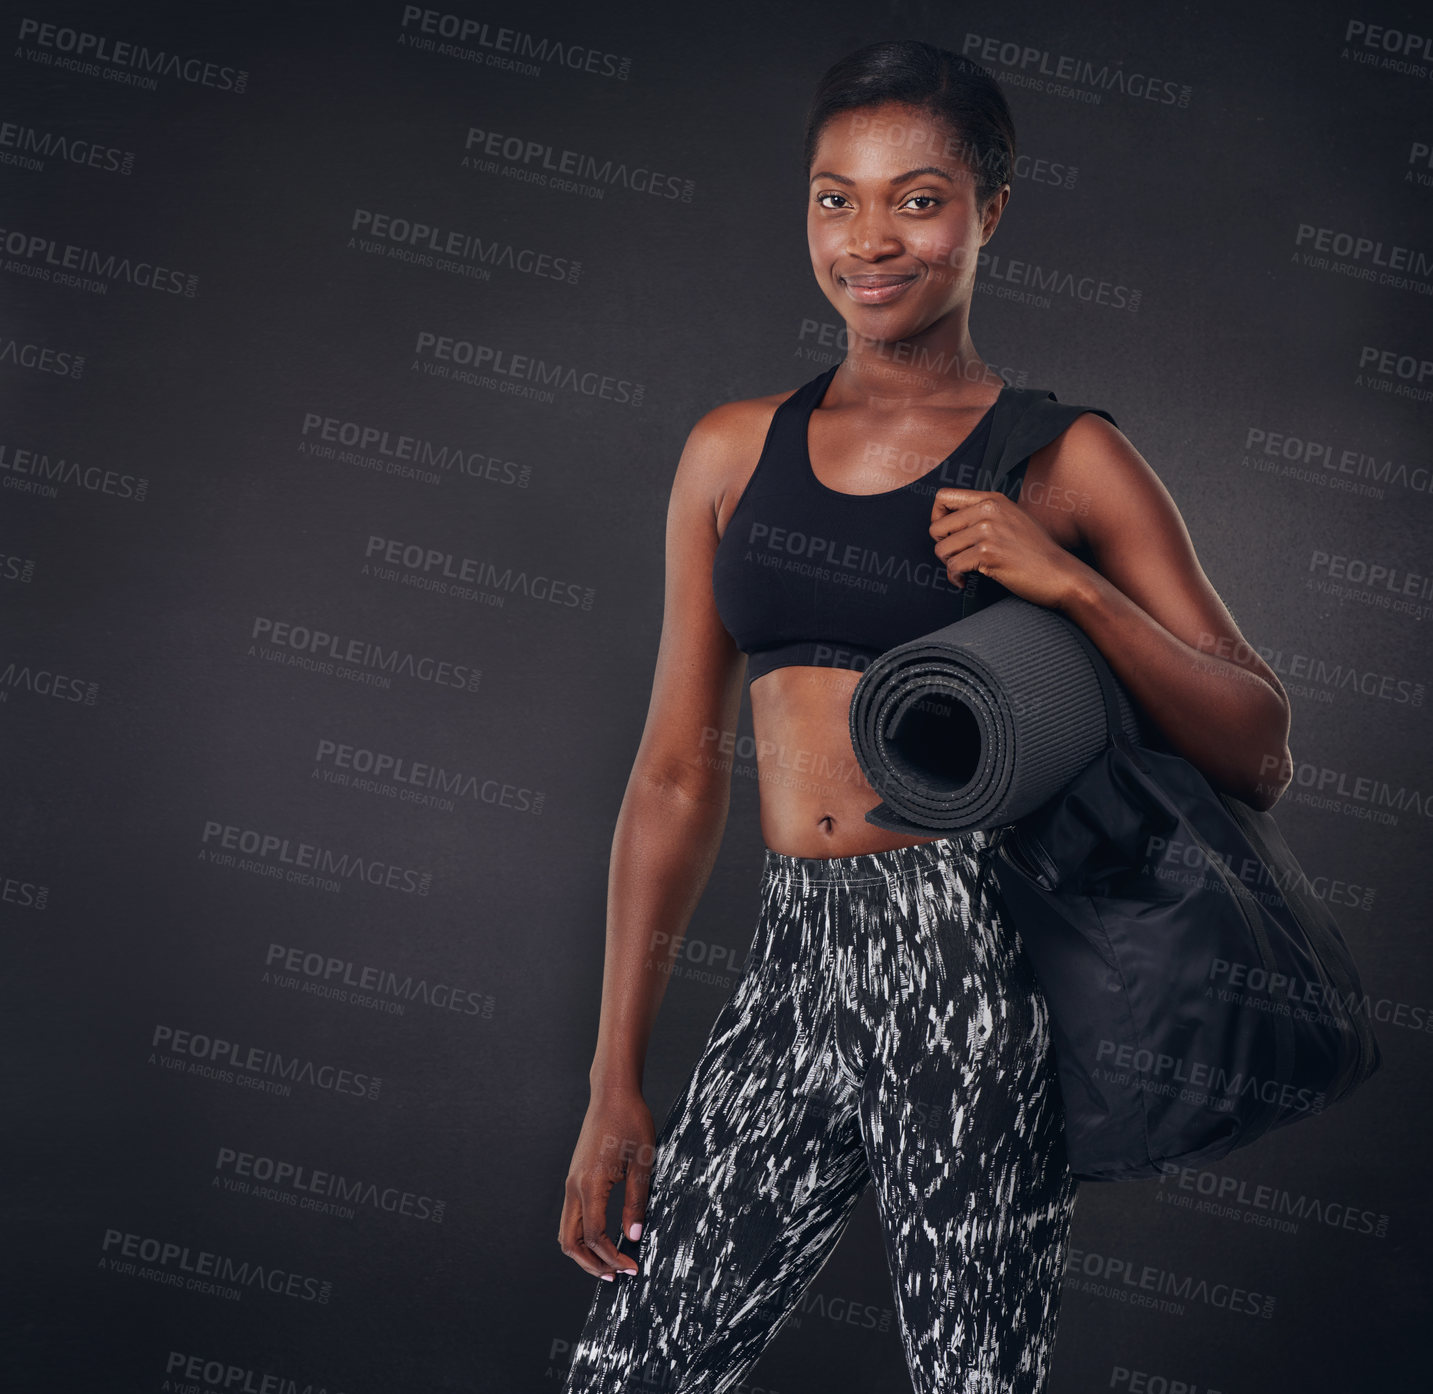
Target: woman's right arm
{"type": "Point", "coordinates": [668, 833]}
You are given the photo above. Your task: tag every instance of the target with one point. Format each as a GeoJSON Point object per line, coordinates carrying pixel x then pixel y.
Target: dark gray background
{"type": "Point", "coordinates": [1196, 205]}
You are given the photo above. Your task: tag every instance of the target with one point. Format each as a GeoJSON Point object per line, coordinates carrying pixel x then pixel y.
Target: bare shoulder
{"type": "Point", "coordinates": [1088, 449]}
{"type": "Point", "coordinates": [1120, 511]}
{"type": "Point", "coordinates": [723, 447]}
{"type": "Point", "coordinates": [1090, 476]}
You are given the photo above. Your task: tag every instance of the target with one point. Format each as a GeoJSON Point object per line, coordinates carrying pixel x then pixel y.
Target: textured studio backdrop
{"type": "Point", "coordinates": [347, 351]}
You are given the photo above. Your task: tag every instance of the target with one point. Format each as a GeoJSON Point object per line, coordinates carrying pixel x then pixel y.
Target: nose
{"type": "Point", "coordinates": [870, 235]}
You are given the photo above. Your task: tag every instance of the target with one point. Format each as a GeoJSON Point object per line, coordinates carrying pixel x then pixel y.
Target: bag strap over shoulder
{"type": "Point", "coordinates": [1026, 418]}
{"type": "Point", "coordinates": [1032, 420]}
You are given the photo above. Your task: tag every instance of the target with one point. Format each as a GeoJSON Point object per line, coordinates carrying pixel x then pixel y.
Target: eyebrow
{"type": "Point", "coordinates": [896, 179]}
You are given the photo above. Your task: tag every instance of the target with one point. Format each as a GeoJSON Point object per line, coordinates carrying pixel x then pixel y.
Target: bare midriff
{"type": "Point", "coordinates": [814, 797]}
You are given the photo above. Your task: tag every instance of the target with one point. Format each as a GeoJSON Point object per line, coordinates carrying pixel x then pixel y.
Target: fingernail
{"type": "Point", "coordinates": [634, 1230]}
{"type": "Point", "coordinates": [606, 1277]}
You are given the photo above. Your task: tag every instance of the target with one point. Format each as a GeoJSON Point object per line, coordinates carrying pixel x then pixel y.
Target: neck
{"type": "Point", "coordinates": [923, 368]}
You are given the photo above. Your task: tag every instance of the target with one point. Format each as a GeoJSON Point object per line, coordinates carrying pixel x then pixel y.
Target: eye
{"type": "Point", "coordinates": [925, 202]}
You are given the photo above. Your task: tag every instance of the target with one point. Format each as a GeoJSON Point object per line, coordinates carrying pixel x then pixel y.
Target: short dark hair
{"type": "Point", "coordinates": [945, 85]}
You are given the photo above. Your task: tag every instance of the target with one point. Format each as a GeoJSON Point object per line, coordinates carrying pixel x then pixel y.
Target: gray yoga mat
{"type": "Point", "coordinates": [979, 723]}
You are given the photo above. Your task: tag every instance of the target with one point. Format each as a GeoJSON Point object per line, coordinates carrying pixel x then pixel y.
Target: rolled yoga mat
{"type": "Point", "coordinates": [979, 723]}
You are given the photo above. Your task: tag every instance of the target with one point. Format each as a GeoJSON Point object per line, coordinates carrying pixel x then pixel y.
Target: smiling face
{"type": "Point", "coordinates": [892, 221]}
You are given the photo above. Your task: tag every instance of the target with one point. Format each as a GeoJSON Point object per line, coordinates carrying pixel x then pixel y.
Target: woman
{"type": "Point", "coordinates": [886, 1027]}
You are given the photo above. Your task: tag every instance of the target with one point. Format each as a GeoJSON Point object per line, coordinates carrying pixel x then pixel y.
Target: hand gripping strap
{"type": "Point", "coordinates": [1025, 420]}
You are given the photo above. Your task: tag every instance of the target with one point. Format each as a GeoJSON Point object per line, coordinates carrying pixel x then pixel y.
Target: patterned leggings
{"type": "Point", "coordinates": [887, 1026]}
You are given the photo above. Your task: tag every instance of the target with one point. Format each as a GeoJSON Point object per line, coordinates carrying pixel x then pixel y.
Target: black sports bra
{"type": "Point", "coordinates": [805, 574]}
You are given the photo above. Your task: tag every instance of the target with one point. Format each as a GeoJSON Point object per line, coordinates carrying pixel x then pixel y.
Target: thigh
{"type": "Point", "coordinates": [758, 1166]}
{"type": "Point", "coordinates": [965, 1129]}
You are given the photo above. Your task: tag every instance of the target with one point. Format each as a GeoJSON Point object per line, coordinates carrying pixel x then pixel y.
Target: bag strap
{"type": "Point", "coordinates": [1037, 418]}
{"type": "Point", "coordinates": [1026, 418]}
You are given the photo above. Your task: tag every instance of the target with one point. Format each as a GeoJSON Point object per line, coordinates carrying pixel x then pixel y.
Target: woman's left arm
{"type": "Point", "coordinates": [1145, 602]}
{"type": "Point", "coordinates": [1150, 609]}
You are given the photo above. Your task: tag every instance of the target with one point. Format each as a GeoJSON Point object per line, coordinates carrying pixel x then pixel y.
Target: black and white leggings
{"type": "Point", "coordinates": [887, 1027]}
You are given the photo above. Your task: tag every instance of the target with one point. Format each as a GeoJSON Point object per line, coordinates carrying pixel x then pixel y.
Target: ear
{"type": "Point", "coordinates": [991, 219]}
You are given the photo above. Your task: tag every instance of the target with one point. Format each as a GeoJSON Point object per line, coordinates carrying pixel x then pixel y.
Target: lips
{"type": "Point", "coordinates": [876, 289]}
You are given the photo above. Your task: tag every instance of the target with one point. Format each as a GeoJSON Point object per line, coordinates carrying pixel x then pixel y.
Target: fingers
{"type": "Point", "coordinates": [634, 1206]}
{"type": "Point", "coordinates": [964, 545]}
{"type": "Point", "coordinates": [617, 1146]}
{"type": "Point", "coordinates": [581, 1235]}
{"type": "Point", "coordinates": [949, 499]}
{"type": "Point", "coordinates": [956, 567]}
{"type": "Point", "coordinates": [981, 508]}
{"type": "Point", "coordinates": [597, 1241]}
{"type": "Point", "coordinates": [569, 1235]}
